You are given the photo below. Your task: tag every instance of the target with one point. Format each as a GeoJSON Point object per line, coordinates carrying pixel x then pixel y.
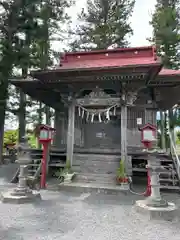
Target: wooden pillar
{"type": "Point", "coordinates": [171, 129]}
{"type": "Point", "coordinates": [70, 133]}
{"type": "Point", "coordinates": [60, 129]}
{"type": "Point", "coordinates": [145, 116]}
{"type": "Point", "coordinates": [165, 129]}
{"type": "Point", "coordinates": [124, 135]}
{"type": "Point", "coordinates": [56, 126]}
{"type": "Point", "coordinates": [162, 129]}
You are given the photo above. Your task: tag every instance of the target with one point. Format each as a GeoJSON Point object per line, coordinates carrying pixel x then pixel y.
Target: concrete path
{"type": "Point", "coordinates": [82, 216]}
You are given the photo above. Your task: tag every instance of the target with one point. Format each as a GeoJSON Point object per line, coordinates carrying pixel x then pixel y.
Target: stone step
{"type": "Point", "coordinates": [100, 178]}
{"type": "Point", "coordinates": [112, 182]}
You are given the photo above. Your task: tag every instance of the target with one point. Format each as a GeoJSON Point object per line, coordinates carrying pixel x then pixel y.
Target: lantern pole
{"type": "Point", "coordinates": [44, 163]}
{"type": "Point", "coordinates": [154, 205]}
{"type": "Point", "coordinates": [45, 135]}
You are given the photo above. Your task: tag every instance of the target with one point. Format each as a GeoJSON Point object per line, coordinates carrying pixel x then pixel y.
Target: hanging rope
{"type": "Point", "coordinates": [147, 192]}
{"type": "Point", "coordinates": [91, 113]}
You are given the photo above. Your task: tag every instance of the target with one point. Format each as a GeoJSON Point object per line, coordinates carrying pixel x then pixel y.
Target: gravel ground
{"type": "Point", "coordinates": [81, 216]}
{"type": "Point", "coordinates": [71, 216]}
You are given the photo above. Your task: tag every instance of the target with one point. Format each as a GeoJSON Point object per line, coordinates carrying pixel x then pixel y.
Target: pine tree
{"type": "Point", "coordinates": [28, 22]}
{"type": "Point", "coordinates": [53, 15]}
{"type": "Point", "coordinates": [9, 27]}
{"type": "Point", "coordinates": [19, 18]}
{"type": "Point", "coordinates": [166, 37]}
{"type": "Point", "coordinates": [104, 24]}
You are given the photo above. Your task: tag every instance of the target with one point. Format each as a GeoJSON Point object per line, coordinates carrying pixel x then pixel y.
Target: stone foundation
{"type": "Point", "coordinates": [168, 213]}
{"type": "Point", "coordinates": [10, 197]}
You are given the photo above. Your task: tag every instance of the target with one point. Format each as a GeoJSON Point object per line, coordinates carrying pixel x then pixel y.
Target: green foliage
{"type": "Point", "coordinates": [175, 118]}
{"type": "Point", "coordinates": [121, 170]}
{"type": "Point", "coordinates": [166, 26]}
{"type": "Point", "coordinates": [10, 137]}
{"type": "Point", "coordinates": [32, 140]}
{"type": "Point", "coordinates": [67, 170]}
{"type": "Point", "coordinates": [106, 23]}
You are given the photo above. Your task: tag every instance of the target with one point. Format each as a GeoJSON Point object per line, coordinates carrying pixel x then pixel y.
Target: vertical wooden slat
{"type": "Point", "coordinates": [124, 135]}
{"type": "Point", "coordinates": [163, 140]}
{"type": "Point", "coordinates": [70, 133]}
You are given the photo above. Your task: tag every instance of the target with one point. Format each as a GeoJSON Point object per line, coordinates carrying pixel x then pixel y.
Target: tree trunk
{"type": "Point", "coordinates": [48, 115]}
{"type": "Point", "coordinates": [22, 110]}
{"type": "Point", "coordinates": [3, 98]}
{"type": "Point", "coordinates": [40, 113]}
{"type": "Point", "coordinates": [22, 116]}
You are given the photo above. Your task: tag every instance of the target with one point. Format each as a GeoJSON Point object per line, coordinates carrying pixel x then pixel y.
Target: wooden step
{"type": "Point", "coordinates": [145, 170]}
{"type": "Point", "coordinates": [170, 180]}
{"type": "Point", "coordinates": [168, 187]}
{"type": "Point", "coordinates": [57, 154]}
{"type": "Point", "coordinates": [57, 164]}
{"type": "Point", "coordinates": [32, 170]}
{"type": "Point", "coordinates": [35, 154]}
{"type": "Point", "coordinates": [33, 165]}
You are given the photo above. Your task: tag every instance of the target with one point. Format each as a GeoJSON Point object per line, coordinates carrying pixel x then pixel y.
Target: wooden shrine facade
{"type": "Point", "coordinates": [102, 97]}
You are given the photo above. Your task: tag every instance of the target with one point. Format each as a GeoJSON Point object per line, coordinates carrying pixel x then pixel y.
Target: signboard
{"type": "Point", "coordinates": [148, 135]}
{"type": "Point", "coordinates": [139, 121]}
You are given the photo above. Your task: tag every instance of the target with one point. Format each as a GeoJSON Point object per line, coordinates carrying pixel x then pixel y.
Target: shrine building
{"type": "Point", "coordinates": [101, 99]}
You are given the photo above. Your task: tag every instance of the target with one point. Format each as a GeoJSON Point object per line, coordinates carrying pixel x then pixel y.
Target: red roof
{"type": "Point", "coordinates": [169, 72]}
{"type": "Point", "coordinates": [107, 63]}
{"type": "Point", "coordinates": [109, 58]}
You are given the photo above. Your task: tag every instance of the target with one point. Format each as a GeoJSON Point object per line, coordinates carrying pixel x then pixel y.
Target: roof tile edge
{"type": "Point", "coordinates": [111, 50]}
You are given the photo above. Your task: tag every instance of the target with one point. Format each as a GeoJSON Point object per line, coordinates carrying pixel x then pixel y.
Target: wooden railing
{"type": "Point", "coordinates": [175, 156]}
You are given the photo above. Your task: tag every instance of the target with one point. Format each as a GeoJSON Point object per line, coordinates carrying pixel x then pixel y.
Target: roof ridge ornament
{"type": "Point", "coordinates": [129, 98]}
{"type": "Point", "coordinates": [97, 93]}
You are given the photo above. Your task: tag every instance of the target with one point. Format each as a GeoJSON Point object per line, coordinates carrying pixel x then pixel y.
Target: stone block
{"type": "Point", "coordinates": [10, 197]}
{"type": "Point", "coordinates": [168, 213]}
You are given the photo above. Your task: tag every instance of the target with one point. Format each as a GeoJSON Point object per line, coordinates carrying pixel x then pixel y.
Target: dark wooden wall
{"type": "Point", "coordinates": [103, 135]}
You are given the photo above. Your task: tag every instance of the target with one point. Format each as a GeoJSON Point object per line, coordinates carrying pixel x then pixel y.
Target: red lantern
{"type": "Point", "coordinates": [148, 135]}
{"type": "Point", "coordinates": [45, 135]}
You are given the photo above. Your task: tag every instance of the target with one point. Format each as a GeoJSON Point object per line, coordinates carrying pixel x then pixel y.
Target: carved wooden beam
{"type": "Point", "coordinates": [97, 97]}
{"type": "Point", "coordinates": [98, 102]}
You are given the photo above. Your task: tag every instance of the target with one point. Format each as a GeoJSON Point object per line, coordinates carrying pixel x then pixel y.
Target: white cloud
{"type": "Point", "coordinates": [140, 21]}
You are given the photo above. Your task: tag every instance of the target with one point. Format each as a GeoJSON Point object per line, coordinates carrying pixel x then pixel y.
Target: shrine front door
{"type": "Point", "coordinates": [103, 135]}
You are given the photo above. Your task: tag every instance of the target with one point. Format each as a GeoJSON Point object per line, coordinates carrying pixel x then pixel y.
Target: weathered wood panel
{"type": "Point", "coordinates": [79, 132]}
{"type": "Point", "coordinates": [101, 135]}
{"type": "Point", "coordinates": [150, 116]}
{"type": "Point", "coordinates": [105, 136]}
{"type": "Point", "coordinates": [70, 133]}
{"type": "Point", "coordinates": [61, 130]}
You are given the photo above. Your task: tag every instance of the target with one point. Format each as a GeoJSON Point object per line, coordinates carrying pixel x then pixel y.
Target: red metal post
{"type": "Point", "coordinates": [43, 166]}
